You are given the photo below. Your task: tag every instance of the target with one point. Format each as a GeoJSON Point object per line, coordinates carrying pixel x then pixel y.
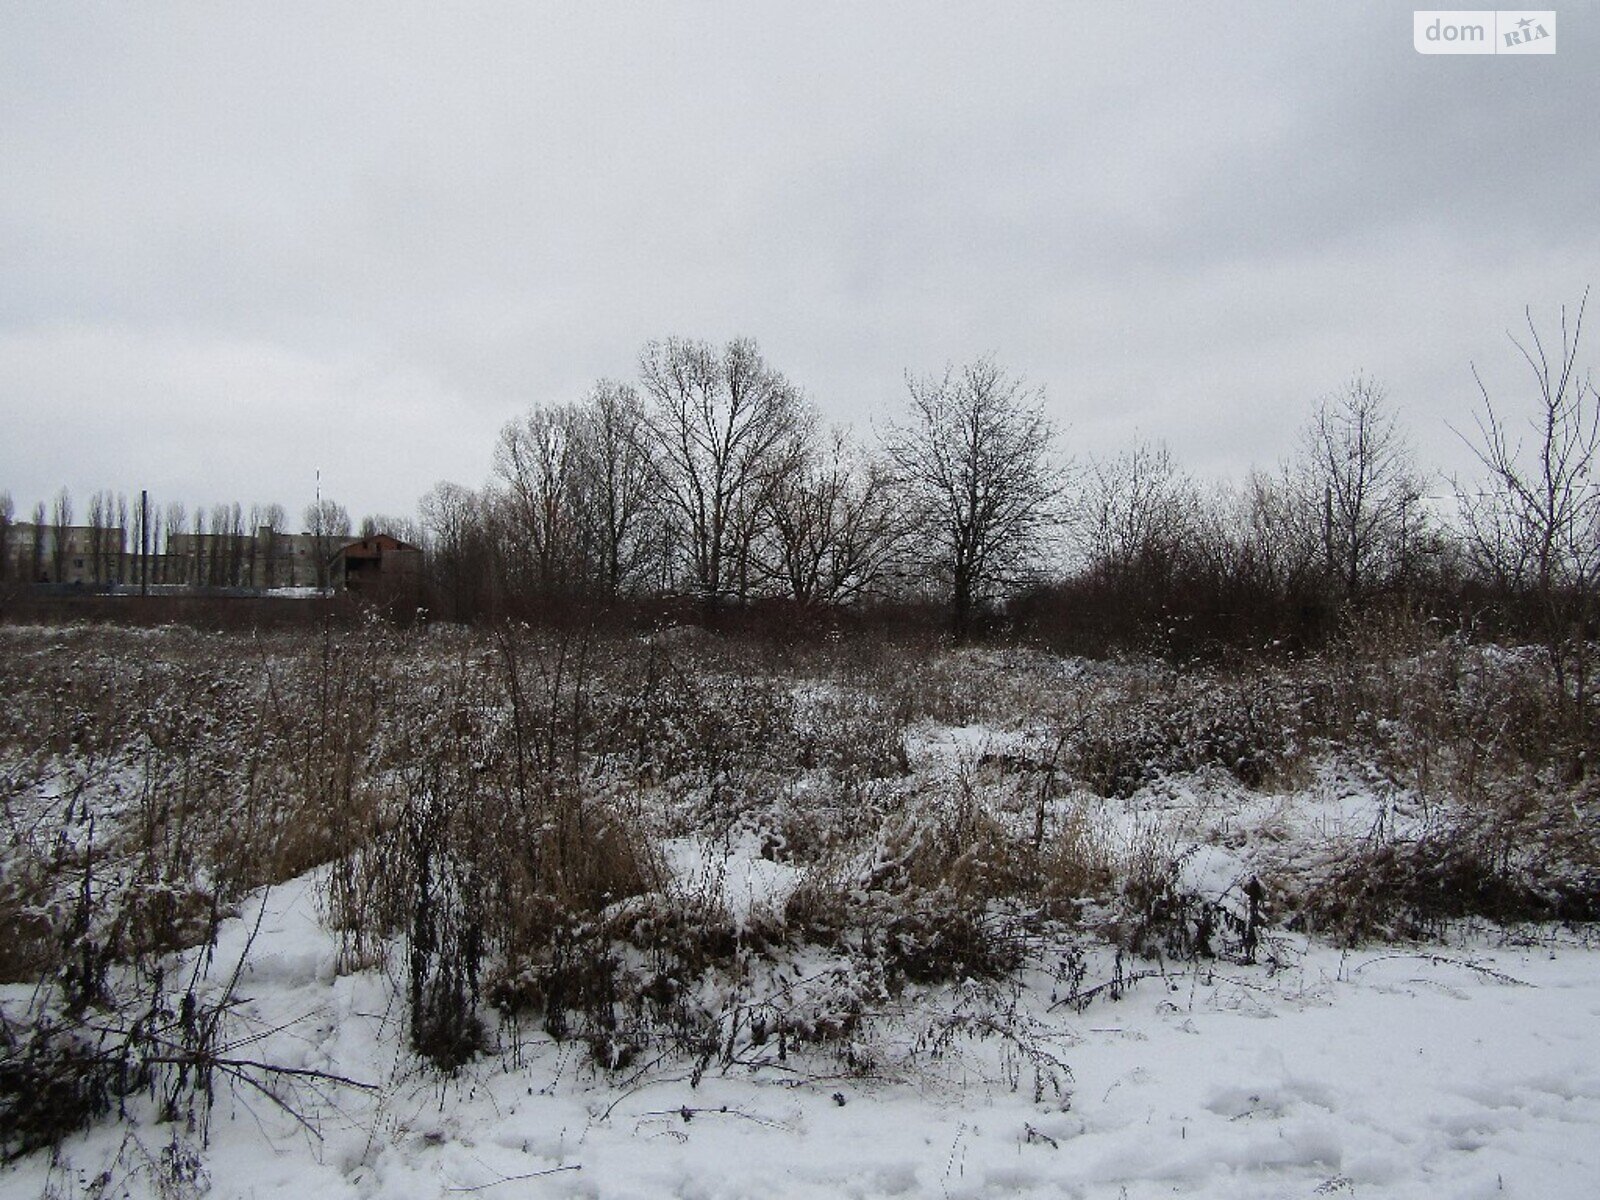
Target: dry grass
{"type": "Point", "coordinates": [488, 809]}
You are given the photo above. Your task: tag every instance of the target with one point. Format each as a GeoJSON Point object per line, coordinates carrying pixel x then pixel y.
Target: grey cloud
{"type": "Point", "coordinates": [277, 227]}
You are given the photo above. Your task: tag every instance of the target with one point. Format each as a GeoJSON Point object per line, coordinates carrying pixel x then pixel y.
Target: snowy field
{"type": "Point", "coordinates": [644, 919]}
{"type": "Point", "coordinates": [1462, 1070]}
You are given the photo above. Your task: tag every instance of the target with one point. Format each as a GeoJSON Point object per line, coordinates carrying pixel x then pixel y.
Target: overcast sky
{"type": "Point", "coordinates": [241, 242]}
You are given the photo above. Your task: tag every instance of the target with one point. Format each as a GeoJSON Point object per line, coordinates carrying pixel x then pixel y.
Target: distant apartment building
{"type": "Point", "coordinates": [262, 560]}
{"type": "Point", "coordinates": [80, 554]}
{"type": "Point", "coordinates": [92, 556]}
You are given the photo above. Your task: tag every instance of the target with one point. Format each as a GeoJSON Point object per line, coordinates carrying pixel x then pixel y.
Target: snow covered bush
{"type": "Point", "coordinates": [1255, 726]}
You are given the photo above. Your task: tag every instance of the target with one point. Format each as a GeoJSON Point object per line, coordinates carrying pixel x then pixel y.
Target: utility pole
{"type": "Point", "coordinates": [320, 544]}
{"type": "Point", "coordinates": [144, 541]}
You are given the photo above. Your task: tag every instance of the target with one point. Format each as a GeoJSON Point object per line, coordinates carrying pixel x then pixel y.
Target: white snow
{"type": "Point", "coordinates": [1400, 1071]}
{"type": "Point", "coordinates": [1463, 1068]}
{"type": "Point", "coordinates": [736, 882]}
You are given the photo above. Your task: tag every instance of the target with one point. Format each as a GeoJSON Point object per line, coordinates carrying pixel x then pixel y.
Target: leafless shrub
{"type": "Point", "coordinates": [671, 713]}
{"type": "Point", "coordinates": [490, 854]}
{"type": "Point", "coordinates": [1523, 857]}
{"type": "Point", "coordinates": [938, 899]}
{"type": "Point", "coordinates": [849, 734]}
{"type": "Point", "coordinates": [1256, 728]}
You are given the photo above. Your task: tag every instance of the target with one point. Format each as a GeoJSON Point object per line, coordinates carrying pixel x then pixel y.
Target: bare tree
{"type": "Point", "coordinates": [146, 541]}
{"type": "Point", "coordinates": [237, 547]}
{"type": "Point", "coordinates": [1134, 512]}
{"type": "Point", "coordinates": [101, 509]}
{"type": "Point", "coordinates": [833, 526]}
{"type": "Point", "coordinates": [1536, 526]}
{"type": "Point", "coordinates": [267, 525]}
{"type": "Point", "coordinates": [196, 568]}
{"type": "Point", "coordinates": [402, 529]}
{"type": "Point", "coordinates": [975, 469]}
{"type": "Point", "coordinates": [223, 551]}
{"type": "Point", "coordinates": [254, 552]}
{"type": "Point", "coordinates": [37, 564]}
{"type": "Point", "coordinates": [539, 519]}
{"type": "Point", "coordinates": [7, 513]}
{"type": "Point", "coordinates": [173, 569]}
{"type": "Point", "coordinates": [61, 534]}
{"type": "Point", "coordinates": [1358, 470]}
{"type": "Point", "coordinates": [328, 523]}
{"type": "Point", "coordinates": [723, 423]}
{"type": "Point", "coordinates": [121, 539]}
{"type": "Point", "coordinates": [1277, 539]}
{"type": "Point", "coordinates": [615, 472]}
{"type": "Point", "coordinates": [459, 555]}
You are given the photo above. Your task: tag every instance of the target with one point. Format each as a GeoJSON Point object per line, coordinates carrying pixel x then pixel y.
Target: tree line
{"type": "Point", "coordinates": [712, 480]}
{"type": "Point", "coordinates": [708, 483]}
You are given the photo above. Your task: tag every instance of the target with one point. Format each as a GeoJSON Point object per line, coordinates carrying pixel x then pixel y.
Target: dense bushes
{"type": "Point", "coordinates": [1257, 728]}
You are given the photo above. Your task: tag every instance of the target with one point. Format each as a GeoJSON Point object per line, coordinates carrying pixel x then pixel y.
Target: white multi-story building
{"type": "Point", "coordinates": [62, 554]}
{"type": "Point", "coordinates": [96, 556]}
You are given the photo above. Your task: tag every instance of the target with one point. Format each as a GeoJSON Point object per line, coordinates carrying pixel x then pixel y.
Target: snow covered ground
{"type": "Point", "coordinates": [1461, 1066]}
{"type": "Point", "coordinates": [1403, 1071]}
